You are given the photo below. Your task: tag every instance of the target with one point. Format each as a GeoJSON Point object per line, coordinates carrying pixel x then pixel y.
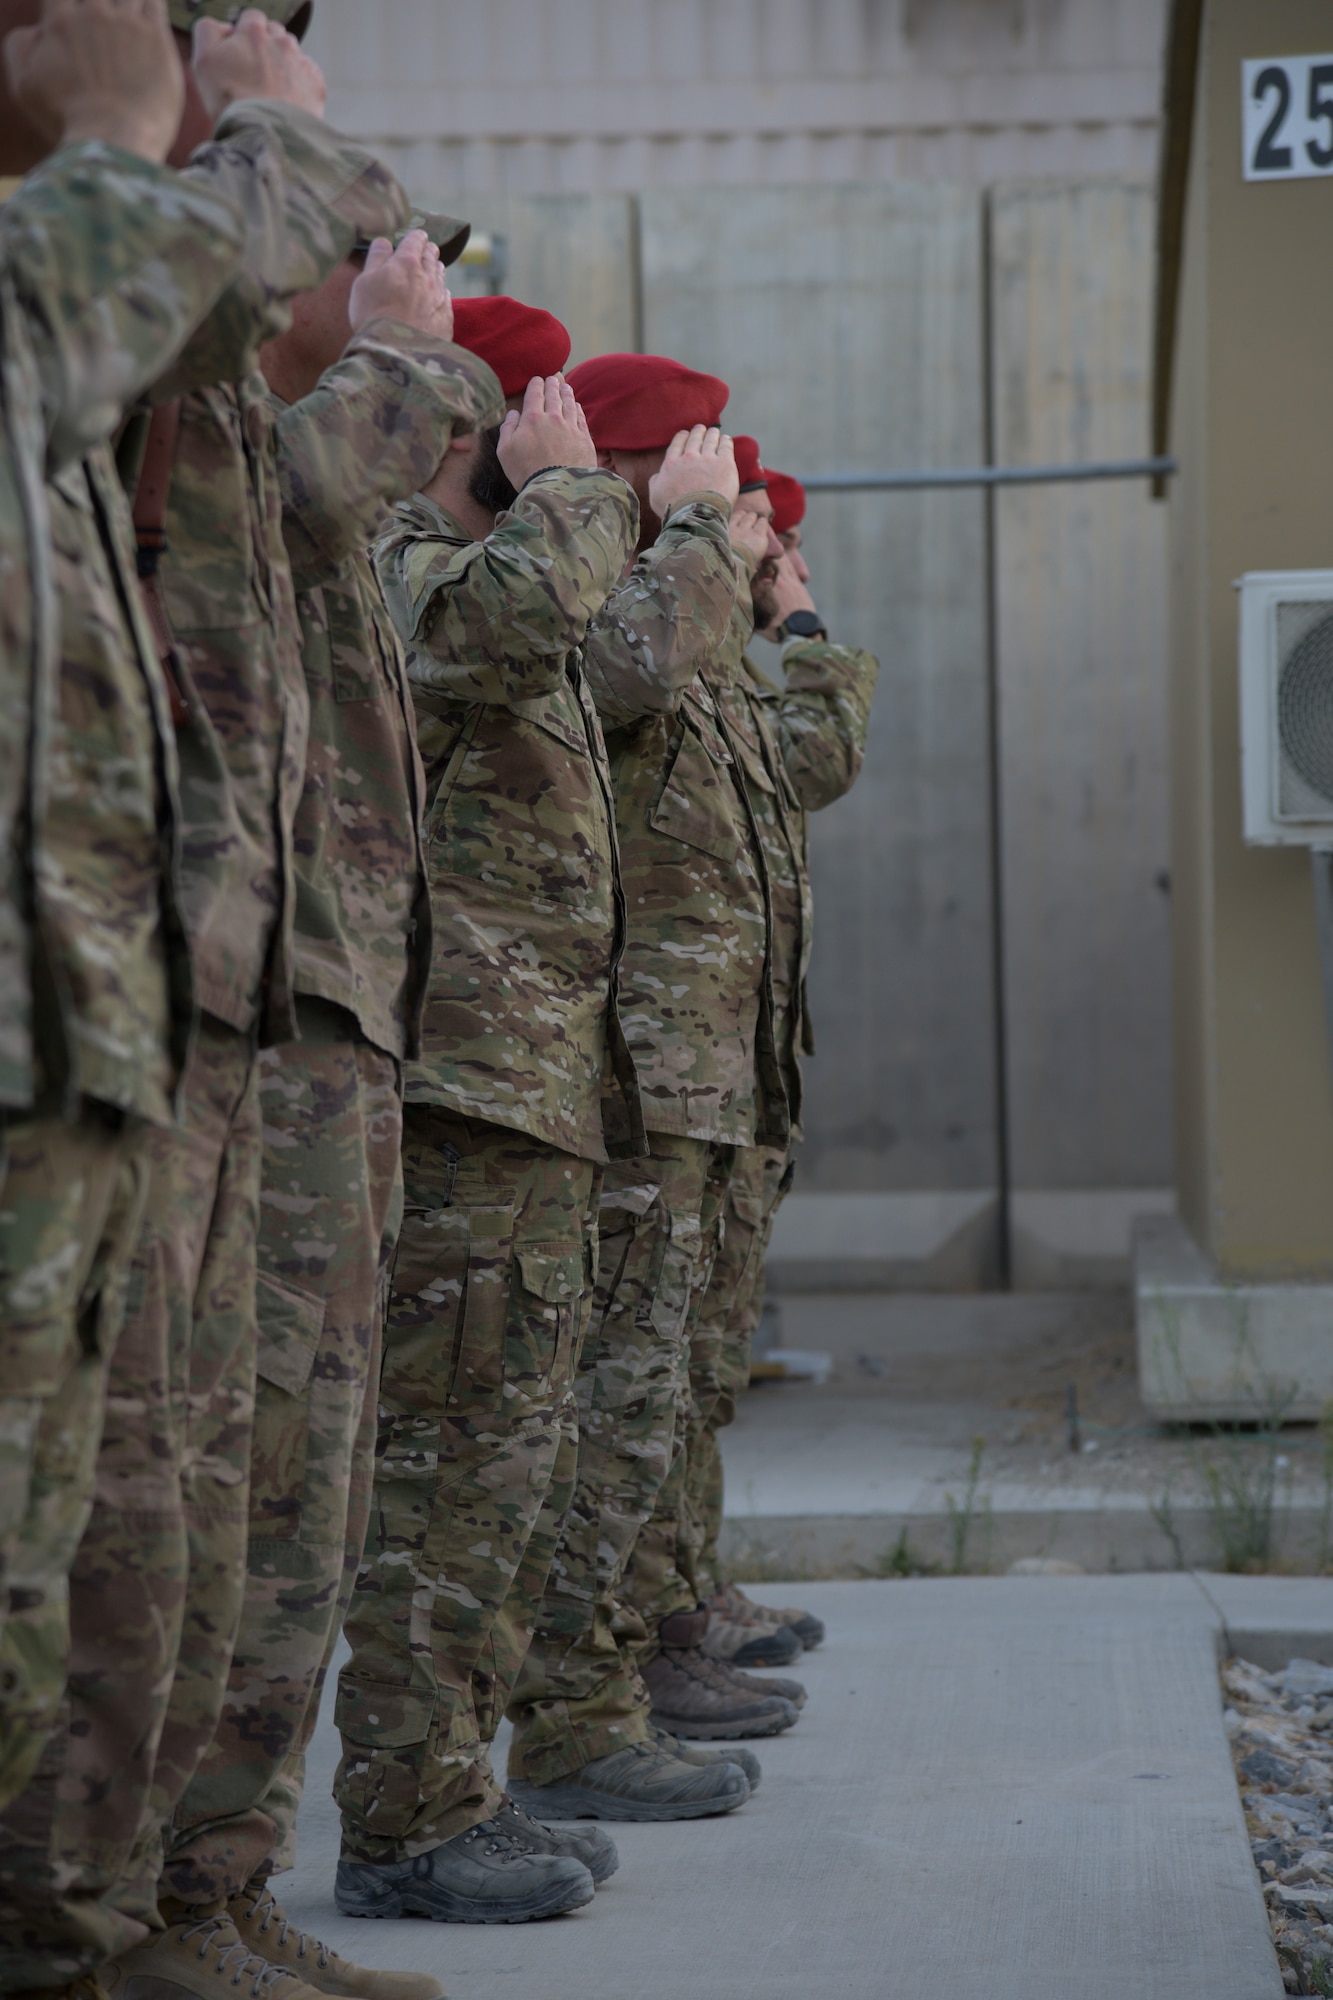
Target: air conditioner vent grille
{"type": "Point", "coordinates": [1305, 708]}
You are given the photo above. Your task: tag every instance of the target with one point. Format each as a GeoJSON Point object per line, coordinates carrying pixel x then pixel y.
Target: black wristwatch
{"type": "Point", "coordinates": [804, 625]}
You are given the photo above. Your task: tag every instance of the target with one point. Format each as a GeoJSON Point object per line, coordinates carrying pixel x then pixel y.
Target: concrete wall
{"type": "Point", "coordinates": [1254, 1111]}
{"type": "Point", "coordinates": [559, 96]}
{"type": "Point", "coordinates": [1080, 587]}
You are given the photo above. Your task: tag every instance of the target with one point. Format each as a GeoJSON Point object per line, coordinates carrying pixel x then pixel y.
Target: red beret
{"type": "Point", "coordinates": [637, 402]}
{"type": "Point", "coordinates": [518, 341]}
{"type": "Point", "coordinates": [788, 497]}
{"type": "Point", "coordinates": [747, 462]}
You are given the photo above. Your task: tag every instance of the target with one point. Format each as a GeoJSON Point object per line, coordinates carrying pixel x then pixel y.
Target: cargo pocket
{"type": "Point", "coordinates": [385, 1730]}
{"type": "Point", "coordinates": [444, 1347]}
{"type": "Point", "coordinates": [291, 1325]}
{"type": "Point", "coordinates": [543, 1316]}
{"type": "Point", "coordinates": [671, 1292]}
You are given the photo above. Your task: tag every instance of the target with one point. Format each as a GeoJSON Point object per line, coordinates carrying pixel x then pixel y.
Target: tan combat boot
{"type": "Point", "coordinates": [731, 1602]}
{"type": "Point", "coordinates": [199, 1956]}
{"type": "Point", "coordinates": [265, 1927]}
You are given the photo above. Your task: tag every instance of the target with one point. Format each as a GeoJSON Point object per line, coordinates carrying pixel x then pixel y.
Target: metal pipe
{"type": "Point", "coordinates": [987, 475]}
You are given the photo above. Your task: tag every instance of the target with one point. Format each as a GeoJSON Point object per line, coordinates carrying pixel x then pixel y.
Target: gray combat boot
{"type": "Point", "coordinates": [778, 1684]}
{"type": "Point", "coordinates": [483, 1876]}
{"type": "Point", "coordinates": [588, 1844]}
{"type": "Point", "coordinates": [695, 1696]}
{"type": "Point", "coordinates": [694, 1753]}
{"type": "Point", "coordinates": [641, 1782]}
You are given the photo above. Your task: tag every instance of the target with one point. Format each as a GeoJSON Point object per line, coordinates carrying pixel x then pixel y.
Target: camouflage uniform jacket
{"type": "Point", "coordinates": [695, 984]}
{"type": "Point", "coordinates": [800, 748]}
{"type": "Point", "coordinates": [668, 613]}
{"type": "Point", "coordinates": [373, 430]}
{"type": "Point", "coordinates": [226, 579]}
{"type": "Point", "coordinates": [521, 1022]}
{"type": "Point", "coordinates": [110, 262]}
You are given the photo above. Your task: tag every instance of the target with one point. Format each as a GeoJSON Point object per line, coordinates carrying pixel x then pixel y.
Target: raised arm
{"type": "Point", "coordinates": [823, 713]}
{"type": "Point", "coordinates": [373, 432]}
{"type": "Point", "coordinates": [495, 621]}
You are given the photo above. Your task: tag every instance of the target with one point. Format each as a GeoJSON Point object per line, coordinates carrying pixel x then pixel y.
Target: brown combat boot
{"type": "Point", "coordinates": [263, 1924]}
{"type": "Point", "coordinates": [199, 1956]}
{"type": "Point", "coordinates": [695, 1696]}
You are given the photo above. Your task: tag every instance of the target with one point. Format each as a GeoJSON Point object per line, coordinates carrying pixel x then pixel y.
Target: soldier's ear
{"type": "Point", "coordinates": [606, 459]}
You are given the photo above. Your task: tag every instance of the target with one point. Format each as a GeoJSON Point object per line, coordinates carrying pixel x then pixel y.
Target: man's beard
{"type": "Point", "coordinates": [488, 483]}
{"type": "Point", "coordinates": [762, 594]}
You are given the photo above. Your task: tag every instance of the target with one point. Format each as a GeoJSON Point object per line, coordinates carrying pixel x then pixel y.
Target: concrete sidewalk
{"type": "Point", "coordinates": [1001, 1789]}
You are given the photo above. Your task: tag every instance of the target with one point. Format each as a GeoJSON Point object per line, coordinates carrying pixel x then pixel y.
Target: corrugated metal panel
{"type": "Point", "coordinates": [1082, 652]}
{"type": "Point", "coordinates": [848, 323]}
{"type": "Point", "coordinates": [608, 95]}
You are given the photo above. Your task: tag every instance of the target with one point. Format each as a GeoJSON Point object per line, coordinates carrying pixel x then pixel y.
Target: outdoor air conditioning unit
{"type": "Point", "coordinates": [1286, 707]}
{"type": "Point", "coordinates": [1286, 728]}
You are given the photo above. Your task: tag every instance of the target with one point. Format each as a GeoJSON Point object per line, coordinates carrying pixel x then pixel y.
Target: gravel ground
{"type": "Point", "coordinates": [1281, 1731]}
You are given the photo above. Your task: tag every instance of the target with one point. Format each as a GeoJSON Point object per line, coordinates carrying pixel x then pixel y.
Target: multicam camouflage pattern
{"type": "Point", "coordinates": [374, 429]}
{"type": "Point", "coordinates": [476, 1454]}
{"type": "Point", "coordinates": [654, 1586]}
{"type": "Point", "coordinates": [578, 1697]}
{"type": "Point", "coordinates": [667, 615]}
{"type": "Point", "coordinates": [521, 1021]}
{"type": "Point", "coordinates": [720, 1353]}
{"type": "Point", "coordinates": [799, 747]}
{"type": "Point", "coordinates": [226, 580]}
{"type": "Point", "coordinates": [70, 1200]}
{"type": "Point", "coordinates": [802, 745]}
{"type": "Point", "coordinates": [695, 980]}
{"type": "Point", "coordinates": [329, 1216]}
{"type": "Point", "coordinates": [157, 1586]}
{"type": "Point", "coordinates": [109, 264]}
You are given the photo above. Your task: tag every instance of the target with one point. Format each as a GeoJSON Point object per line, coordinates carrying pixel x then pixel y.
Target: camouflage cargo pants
{"type": "Point", "coordinates": [156, 1590]}
{"type": "Point", "coordinates": [720, 1353]}
{"type": "Point", "coordinates": [474, 1472]}
{"type": "Point", "coordinates": [655, 1584]}
{"type": "Point", "coordinates": [578, 1697]}
{"type": "Point", "coordinates": [70, 1200]}
{"type": "Point", "coordinates": [329, 1211]}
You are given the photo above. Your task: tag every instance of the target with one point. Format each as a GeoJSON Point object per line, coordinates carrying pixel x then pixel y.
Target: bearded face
{"type": "Point", "coordinates": [488, 483]}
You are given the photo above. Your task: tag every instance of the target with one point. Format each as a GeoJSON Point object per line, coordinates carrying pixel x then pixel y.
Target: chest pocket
{"type": "Point", "coordinates": [699, 803]}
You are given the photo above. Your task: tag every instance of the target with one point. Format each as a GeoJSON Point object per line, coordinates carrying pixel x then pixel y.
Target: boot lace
{"type": "Point", "coordinates": [217, 1934]}
{"type": "Point", "coordinates": [719, 1675]}
{"type": "Point", "coordinates": [495, 1839]}
{"type": "Point", "coordinates": [303, 1945]}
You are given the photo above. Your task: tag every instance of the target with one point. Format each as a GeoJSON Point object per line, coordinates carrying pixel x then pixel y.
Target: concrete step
{"type": "Point", "coordinates": [1001, 1789]}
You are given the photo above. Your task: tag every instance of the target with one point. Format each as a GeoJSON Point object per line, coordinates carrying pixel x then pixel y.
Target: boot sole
{"type": "Point", "coordinates": [721, 1732]}
{"type": "Point", "coordinates": [464, 1910]}
{"type": "Point", "coordinates": [551, 1802]}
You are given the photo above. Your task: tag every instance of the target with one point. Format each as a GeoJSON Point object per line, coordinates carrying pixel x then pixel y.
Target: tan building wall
{"type": "Point", "coordinates": [554, 96]}
{"type": "Point", "coordinates": [1254, 1109]}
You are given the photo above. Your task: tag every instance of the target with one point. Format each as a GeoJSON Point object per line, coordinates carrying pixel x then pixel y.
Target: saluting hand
{"type": "Point", "coordinates": [549, 430]}
{"type": "Point", "coordinates": [406, 284]}
{"type": "Point", "coordinates": [255, 58]}
{"type": "Point", "coordinates": [699, 461]}
{"type": "Point", "coordinates": [777, 596]}
{"type": "Point", "coordinates": [99, 69]}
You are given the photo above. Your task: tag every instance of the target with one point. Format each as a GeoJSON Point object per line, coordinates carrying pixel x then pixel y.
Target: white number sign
{"type": "Point", "coordinates": [1287, 117]}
